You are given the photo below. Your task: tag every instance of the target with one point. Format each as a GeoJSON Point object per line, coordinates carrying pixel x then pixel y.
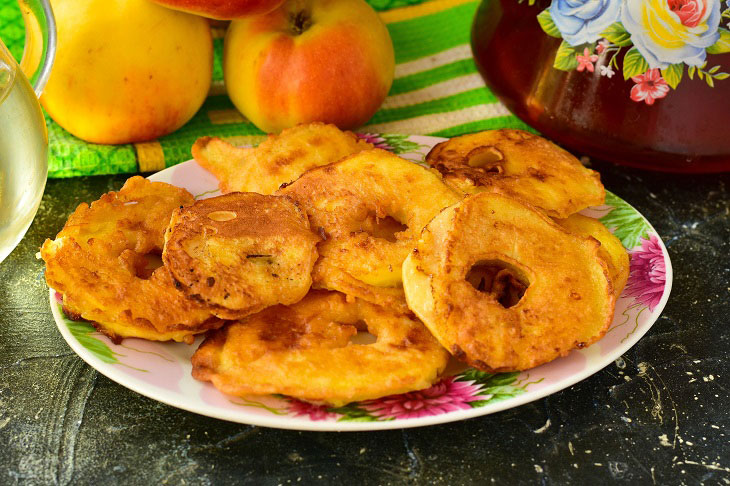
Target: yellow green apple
{"type": "Point", "coordinates": [309, 60]}
{"type": "Point", "coordinates": [127, 70]}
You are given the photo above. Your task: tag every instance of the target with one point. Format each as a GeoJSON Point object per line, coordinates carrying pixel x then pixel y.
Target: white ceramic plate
{"type": "Point", "coordinates": [161, 371]}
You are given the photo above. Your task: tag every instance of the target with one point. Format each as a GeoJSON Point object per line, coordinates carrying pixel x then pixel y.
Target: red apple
{"type": "Point", "coordinates": [309, 60]}
{"type": "Point", "coordinates": [222, 9]}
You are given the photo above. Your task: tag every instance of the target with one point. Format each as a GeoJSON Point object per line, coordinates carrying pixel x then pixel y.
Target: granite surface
{"type": "Point", "coordinates": [658, 415]}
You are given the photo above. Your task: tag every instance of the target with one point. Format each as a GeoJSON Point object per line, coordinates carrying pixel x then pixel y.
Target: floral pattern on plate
{"type": "Point", "coordinates": [161, 371]}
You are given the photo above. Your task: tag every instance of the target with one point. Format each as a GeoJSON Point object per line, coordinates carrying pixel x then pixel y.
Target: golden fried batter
{"type": "Point", "coordinates": [520, 165]}
{"type": "Point", "coordinates": [278, 160]}
{"type": "Point", "coordinates": [369, 209]}
{"type": "Point", "coordinates": [550, 293]}
{"type": "Point", "coordinates": [100, 263]}
{"type": "Point", "coordinates": [612, 251]}
{"type": "Point", "coordinates": [241, 252]}
{"type": "Point", "coordinates": [304, 351]}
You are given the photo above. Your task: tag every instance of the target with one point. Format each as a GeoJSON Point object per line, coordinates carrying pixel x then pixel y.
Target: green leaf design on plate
{"type": "Point", "coordinates": [565, 59]}
{"type": "Point", "coordinates": [243, 402]}
{"type": "Point", "coordinates": [486, 379]}
{"type": "Point", "coordinates": [498, 387]}
{"type": "Point", "coordinates": [634, 63]}
{"type": "Point", "coordinates": [627, 225]}
{"type": "Point", "coordinates": [616, 34]}
{"type": "Point", "coordinates": [548, 25]}
{"type": "Point", "coordinates": [82, 331]}
{"type": "Point", "coordinates": [399, 144]}
{"type": "Point", "coordinates": [723, 43]}
{"type": "Point", "coordinates": [673, 74]}
{"type": "Point", "coordinates": [352, 413]}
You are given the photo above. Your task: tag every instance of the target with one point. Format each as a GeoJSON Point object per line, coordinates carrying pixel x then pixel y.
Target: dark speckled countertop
{"type": "Point", "coordinates": [658, 415]}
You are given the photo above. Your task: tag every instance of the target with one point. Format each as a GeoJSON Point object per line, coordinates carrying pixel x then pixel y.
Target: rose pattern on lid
{"type": "Point", "coordinates": [670, 32]}
{"type": "Point", "coordinates": [652, 42]}
{"type": "Point", "coordinates": [582, 21]}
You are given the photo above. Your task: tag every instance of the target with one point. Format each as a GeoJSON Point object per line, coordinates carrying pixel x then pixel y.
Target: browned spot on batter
{"type": "Point", "coordinates": [458, 352]}
{"type": "Point", "coordinates": [537, 174]}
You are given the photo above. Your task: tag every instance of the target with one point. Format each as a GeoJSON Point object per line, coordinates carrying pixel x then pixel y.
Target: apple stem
{"type": "Point", "coordinates": [300, 22]}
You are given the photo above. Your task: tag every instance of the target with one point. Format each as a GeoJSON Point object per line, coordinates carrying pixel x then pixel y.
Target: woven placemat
{"type": "Point", "coordinates": [437, 91]}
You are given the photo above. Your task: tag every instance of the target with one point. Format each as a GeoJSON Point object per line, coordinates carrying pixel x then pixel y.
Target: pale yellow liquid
{"type": "Point", "coordinates": [23, 155]}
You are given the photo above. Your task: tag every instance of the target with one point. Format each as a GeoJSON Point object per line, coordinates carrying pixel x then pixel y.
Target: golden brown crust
{"type": "Point", "coordinates": [568, 302]}
{"type": "Point", "coordinates": [241, 252]}
{"type": "Point", "coordinates": [326, 276]}
{"type": "Point", "coordinates": [222, 9]}
{"type": "Point", "coordinates": [369, 209]}
{"type": "Point", "coordinates": [520, 165]}
{"type": "Point", "coordinates": [304, 351]}
{"type": "Point", "coordinates": [612, 251]}
{"type": "Point", "coordinates": [99, 263]}
{"type": "Point", "coordinates": [280, 159]}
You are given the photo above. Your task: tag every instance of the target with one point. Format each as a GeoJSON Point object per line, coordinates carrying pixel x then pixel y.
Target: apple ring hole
{"type": "Point", "coordinates": [504, 282]}
{"type": "Point", "coordinates": [363, 335]}
{"type": "Point", "coordinates": [146, 265]}
{"type": "Point", "coordinates": [363, 338]}
{"type": "Point", "coordinates": [386, 228]}
{"type": "Point", "coordinates": [486, 158]}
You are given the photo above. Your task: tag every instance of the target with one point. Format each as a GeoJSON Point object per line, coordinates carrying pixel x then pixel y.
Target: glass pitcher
{"type": "Point", "coordinates": [23, 135]}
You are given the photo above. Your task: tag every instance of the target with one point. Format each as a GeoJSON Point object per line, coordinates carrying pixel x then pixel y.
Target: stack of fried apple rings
{"type": "Point", "coordinates": [332, 271]}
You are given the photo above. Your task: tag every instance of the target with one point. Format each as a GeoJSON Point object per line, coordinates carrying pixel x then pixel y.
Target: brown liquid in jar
{"type": "Point", "coordinates": [686, 131]}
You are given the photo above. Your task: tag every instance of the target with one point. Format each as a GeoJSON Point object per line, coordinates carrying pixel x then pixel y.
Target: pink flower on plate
{"type": "Point", "coordinates": [376, 140]}
{"type": "Point", "coordinates": [585, 62]}
{"type": "Point", "coordinates": [649, 87]}
{"type": "Point", "coordinates": [314, 412]}
{"type": "Point", "coordinates": [446, 396]}
{"type": "Point", "coordinates": [648, 273]}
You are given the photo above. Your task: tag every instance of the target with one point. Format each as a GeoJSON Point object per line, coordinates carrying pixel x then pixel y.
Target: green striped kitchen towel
{"type": "Point", "coordinates": [437, 91]}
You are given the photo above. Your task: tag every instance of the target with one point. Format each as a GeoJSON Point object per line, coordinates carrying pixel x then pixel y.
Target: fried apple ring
{"type": "Point", "coordinates": [304, 351]}
{"type": "Point", "coordinates": [612, 251]}
{"type": "Point", "coordinates": [369, 209]}
{"type": "Point", "coordinates": [521, 165]}
{"type": "Point", "coordinates": [278, 160]}
{"type": "Point", "coordinates": [567, 299]}
{"type": "Point", "coordinates": [241, 252]}
{"type": "Point", "coordinates": [99, 262]}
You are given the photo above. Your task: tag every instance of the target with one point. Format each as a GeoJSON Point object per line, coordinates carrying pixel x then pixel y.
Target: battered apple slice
{"type": "Point", "coordinates": [304, 351]}
{"type": "Point", "coordinates": [520, 165]}
{"type": "Point", "coordinates": [280, 159]}
{"type": "Point", "coordinates": [504, 288]}
{"type": "Point", "coordinates": [241, 252]}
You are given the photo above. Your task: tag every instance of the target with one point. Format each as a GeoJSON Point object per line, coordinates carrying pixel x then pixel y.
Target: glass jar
{"type": "Point", "coordinates": [23, 135]}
